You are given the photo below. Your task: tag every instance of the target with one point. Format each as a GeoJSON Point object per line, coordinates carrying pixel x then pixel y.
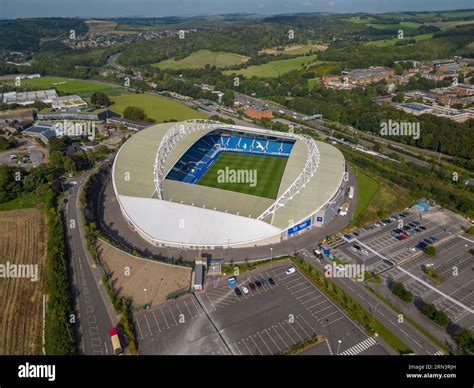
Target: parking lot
{"type": "Point", "coordinates": [437, 222]}
{"type": "Point", "coordinates": [177, 327]}
{"type": "Point", "coordinates": [270, 319]}
{"type": "Point", "coordinates": [400, 261]}
{"type": "Point", "coordinates": [455, 265]}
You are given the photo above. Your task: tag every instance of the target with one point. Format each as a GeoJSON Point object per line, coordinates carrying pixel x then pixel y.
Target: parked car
{"type": "Point", "coordinates": [422, 227]}
{"type": "Point", "coordinates": [412, 249]}
{"type": "Point", "coordinates": [365, 252]}
{"type": "Point", "coordinates": [237, 291]}
{"type": "Point", "coordinates": [258, 284]}
{"type": "Point", "coordinates": [271, 281]}
{"type": "Point", "coordinates": [434, 238]}
{"type": "Point", "coordinates": [252, 286]}
{"type": "Point", "coordinates": [245, 290]}
{"type": "Point", "coordinates": [290, 270]}
{"type": "Point", "coordinates": [403, 237]}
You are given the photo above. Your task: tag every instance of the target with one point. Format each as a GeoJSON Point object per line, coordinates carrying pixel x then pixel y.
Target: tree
{"type": "Point", "coordinates": [464, 339]}
{"type": "Point", "coordinates": [430, 251]}
{"type": "Point", "coordinates": [100, 99]}
{"type": "Point", "coordinates": [69, 164]}
{"type": "Point", "coordinates": [399, 69]}
{"type": "Point", "coordinates": [134, 113]}
{"type": "Point", "coordinates": [399, 97]}
{"type": "Point", "coordinates": [57, 159]}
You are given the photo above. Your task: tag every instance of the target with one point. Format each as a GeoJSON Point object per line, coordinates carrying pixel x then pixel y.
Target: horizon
{"type": "Point", "coordinates": [90, 9]}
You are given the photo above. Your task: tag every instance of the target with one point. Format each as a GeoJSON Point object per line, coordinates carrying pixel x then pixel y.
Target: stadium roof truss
{"type": "Point", "coordinates": [311, 165]}
{"type": "Point", "coordinates": [178, 131]}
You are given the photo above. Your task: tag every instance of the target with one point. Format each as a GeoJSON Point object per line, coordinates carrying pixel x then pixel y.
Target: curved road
{"type": "Point", "coordinates": [94, 312]}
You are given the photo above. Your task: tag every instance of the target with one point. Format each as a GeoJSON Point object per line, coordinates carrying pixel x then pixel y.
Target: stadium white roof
{"type": "Point", "coordinates": [191, 225]}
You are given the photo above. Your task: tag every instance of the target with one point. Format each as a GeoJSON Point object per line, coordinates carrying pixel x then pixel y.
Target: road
{"type": "Point", "coordinates": [94, 314]}
{"type": "Point", "coordinates": [420, 344]}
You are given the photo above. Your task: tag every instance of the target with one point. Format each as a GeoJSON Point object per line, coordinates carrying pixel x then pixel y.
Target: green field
{"type": "Point", "coordinates": [402, 25]}
{"type": "Point", "coordinates": [274, 68]}
{"type": "Point", "coordinates": [267, 171]}
{"type": "Point", "coordinates": [391, 42]}
{"type": "Point", "coordinates": [312, 82]}
{"type": "Point", "coordinates": [201, 58]}
{"type": "Point", "coordinates": [293, 49]}
{"type": "Point", "coordinates": [83, 88]}
{"type": "Point", "coordinates": [372, 22]}
{"type": "Point", "coordinates": [156, 107]}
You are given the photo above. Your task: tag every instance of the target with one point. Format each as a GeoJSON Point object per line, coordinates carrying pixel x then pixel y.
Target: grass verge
{"type": "Point", "coordinates": [412, 322]}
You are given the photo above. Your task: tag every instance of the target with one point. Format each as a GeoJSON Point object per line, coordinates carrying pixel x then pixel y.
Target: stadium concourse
{"type": "Point", "coordinates": [165, 181]}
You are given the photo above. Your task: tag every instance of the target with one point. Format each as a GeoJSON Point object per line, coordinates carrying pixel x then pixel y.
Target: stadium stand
{"type": "Point", "coordinates": [201, 155]}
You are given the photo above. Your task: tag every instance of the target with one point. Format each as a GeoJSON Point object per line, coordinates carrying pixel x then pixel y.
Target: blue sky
{"type": "Point", "coordinates": [156, 8]}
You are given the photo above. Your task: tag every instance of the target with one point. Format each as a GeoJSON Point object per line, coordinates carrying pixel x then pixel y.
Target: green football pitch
{"type": "Point", "coordinates": [249, 174]}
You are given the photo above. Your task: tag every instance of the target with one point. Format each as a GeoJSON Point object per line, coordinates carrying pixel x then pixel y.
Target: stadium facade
{"type": "Point", "coordinates": [158, 177]}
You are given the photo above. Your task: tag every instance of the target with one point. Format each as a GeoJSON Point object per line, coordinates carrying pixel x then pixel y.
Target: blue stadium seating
{"type": "Point", "coordinates": [200, 156]}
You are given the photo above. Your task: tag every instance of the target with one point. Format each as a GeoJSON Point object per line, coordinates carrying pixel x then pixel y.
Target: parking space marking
{"type": "Point", "coordinates": [256, 345]}
{"type": "Point", "coordinates": [139, 329]}
{"type": "Point", "coordinates": [247, 347]}
{"type": "Point", "coordinates": [289, 336]}
{"type": "Point", "coordinates": [298, 334]}
{"type": "Point", "coordinates": [162, 313]}
{"type": "Point", "coordinates": [190, 314]}
{"type": "Point", "coordinates": [281, 338]}
{"type": "Point", "coordinates": [146, 320]}
{"type": "Point", "coordinates": [305, 295]}
{"type": "Point", "coordinates": [157, 324]}
{"type": "Point", "coordinates": [264, 343]}
{"type": "Point", "coordinates": [269, 336]}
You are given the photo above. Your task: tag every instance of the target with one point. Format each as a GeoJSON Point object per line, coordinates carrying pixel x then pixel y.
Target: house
{"type": "Point", "coordinates": [17, 115]}
{"type": "Point", "coordinates": [91, 145]}
{"type": "Point", "coordinates": [88, 114]}
{"type": "Point", "coordinates": [258, 113]}
{"type": "Point", "coordinates": [28, 98]}
{"type": "Point", "coordinates": [367, 76]}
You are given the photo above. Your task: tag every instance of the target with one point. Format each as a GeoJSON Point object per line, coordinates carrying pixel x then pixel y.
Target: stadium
{"type": "Point", "coordinates": [201, 184]}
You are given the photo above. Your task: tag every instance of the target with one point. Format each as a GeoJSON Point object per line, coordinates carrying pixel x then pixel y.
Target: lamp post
{"type": "Point", "coordinates": [271, 256]}
{"type": "Point", "coordinates": [338, 345]}
{"type": "Point", "coordinates": [147, 305]}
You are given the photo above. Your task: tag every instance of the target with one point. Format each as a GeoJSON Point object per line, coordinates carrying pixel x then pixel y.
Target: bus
{"type": "Point", "coordinates": [115, 341]}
